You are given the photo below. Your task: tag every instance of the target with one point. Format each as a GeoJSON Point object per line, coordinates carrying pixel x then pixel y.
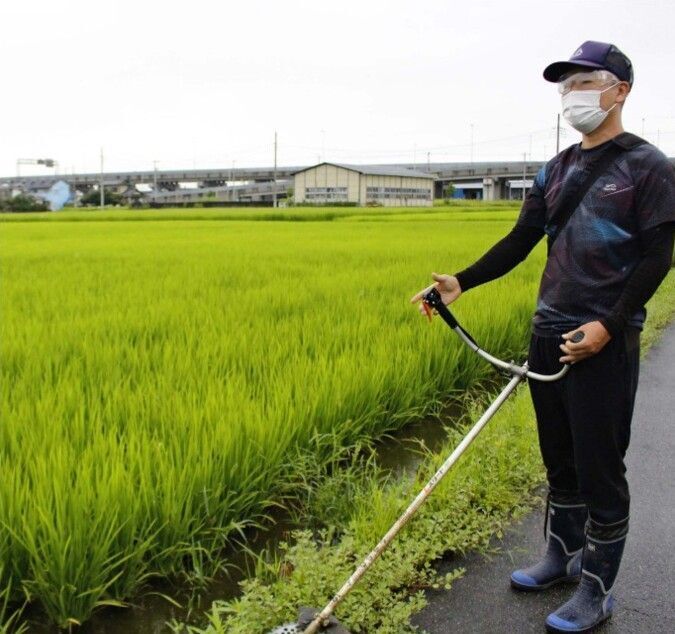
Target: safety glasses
{"type": "Point", "coordinates": [591, 80]}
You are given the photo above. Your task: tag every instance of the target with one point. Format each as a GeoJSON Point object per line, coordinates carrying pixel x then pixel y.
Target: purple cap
{"type": "Point", "coordinates": [593, 55]}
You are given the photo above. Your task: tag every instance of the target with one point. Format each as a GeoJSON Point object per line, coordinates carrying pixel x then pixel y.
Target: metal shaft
{"type": "Point", "coordinates": [322, 617]}
{"type": "Point", "coordinates": [510, 367]}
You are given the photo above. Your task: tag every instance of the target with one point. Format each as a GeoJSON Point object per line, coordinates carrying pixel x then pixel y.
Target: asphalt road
{"type": "Point", "coordinates": [482, 600]}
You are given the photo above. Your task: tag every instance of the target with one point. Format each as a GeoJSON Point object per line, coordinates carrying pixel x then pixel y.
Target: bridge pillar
{"type": "Point", "coordinates": [501, 190]}
{"type": "Point", "coordinates": [488, 188]}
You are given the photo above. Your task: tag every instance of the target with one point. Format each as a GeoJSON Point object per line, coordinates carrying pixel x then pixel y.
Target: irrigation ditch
{"type": "Point", "coordinates": [397, 454]}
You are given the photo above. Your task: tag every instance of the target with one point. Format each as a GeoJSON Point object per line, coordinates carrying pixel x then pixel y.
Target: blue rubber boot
{"type": "Point", "coordinates": [592, 603]}
{"type": "Point", "coordinates": [562, 561]}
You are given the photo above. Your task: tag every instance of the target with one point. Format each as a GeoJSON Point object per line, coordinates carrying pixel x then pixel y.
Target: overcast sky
{"type": "Point", "coordinates": [206, 83]}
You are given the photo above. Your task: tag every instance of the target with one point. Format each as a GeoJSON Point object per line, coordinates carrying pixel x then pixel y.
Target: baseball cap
{"type": "Point", "coordinates": [598, 55]}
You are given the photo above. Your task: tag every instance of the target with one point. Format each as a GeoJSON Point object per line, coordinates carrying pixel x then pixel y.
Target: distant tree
{"type": "Point", "coordinates": [93, 197]}
{"type": "Point", "coordinates": [24, 202]}
{"type": "Point", "coordinates": [448, 191]}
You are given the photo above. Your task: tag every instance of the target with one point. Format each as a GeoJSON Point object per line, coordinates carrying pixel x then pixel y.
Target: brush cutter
{"type": "Point", "coordinates": [313, 620]}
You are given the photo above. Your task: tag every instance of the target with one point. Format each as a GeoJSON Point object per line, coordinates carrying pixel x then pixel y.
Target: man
{"type": "Point", "coordinates": [605, 261]}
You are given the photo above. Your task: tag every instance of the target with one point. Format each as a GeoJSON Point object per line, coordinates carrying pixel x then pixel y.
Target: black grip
{"type": "Point", "coordinates": [433, 298]}
{"type": "Point", "coordinates": [577, 336]}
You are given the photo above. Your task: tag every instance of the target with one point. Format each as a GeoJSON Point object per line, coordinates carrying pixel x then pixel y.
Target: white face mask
{"type": "Point", "coordinates": [581, 109]}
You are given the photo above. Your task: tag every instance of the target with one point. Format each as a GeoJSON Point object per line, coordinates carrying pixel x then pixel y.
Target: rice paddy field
{"type": "Point", "coordinates": [161, 370]}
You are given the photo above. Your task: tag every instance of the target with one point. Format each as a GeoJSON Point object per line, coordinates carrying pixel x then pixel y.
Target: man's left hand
{"type": "Point", "coordinates": [595, 339]}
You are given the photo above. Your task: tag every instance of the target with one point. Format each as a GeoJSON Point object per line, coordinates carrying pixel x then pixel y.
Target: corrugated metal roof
{"type": "Point", "coordinates": [377, 170]}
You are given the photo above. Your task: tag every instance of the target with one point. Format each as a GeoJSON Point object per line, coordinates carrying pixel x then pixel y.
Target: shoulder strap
{"type": "Point", "coordinates": [628, 141]}
{"type": "Point", "coordinates": [621, 143]}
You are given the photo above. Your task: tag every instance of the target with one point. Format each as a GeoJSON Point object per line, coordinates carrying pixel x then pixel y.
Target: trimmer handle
{"type": "Point", "coordinates": [433, 299]}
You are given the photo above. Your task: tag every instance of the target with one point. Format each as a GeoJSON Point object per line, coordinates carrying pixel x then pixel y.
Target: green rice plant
{"type": "Point", "coordinates": [466, 209]}
{"type": "Point", "coordinates": [10, 608]}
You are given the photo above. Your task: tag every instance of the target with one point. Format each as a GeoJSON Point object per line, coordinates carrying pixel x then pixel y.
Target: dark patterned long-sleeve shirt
{"type": "Point", "coordinates": [587, 272]}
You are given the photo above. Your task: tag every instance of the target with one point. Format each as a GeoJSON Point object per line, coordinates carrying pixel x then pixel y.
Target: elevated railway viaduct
{"type": "Point", "coordinates": [490, 180]}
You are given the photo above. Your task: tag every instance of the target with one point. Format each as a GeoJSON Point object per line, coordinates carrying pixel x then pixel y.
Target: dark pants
{"type": "Point", "coordinates": [584, 425]}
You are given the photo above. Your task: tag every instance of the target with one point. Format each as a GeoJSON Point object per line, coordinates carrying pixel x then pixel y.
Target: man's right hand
{"type": "Point", "coordinates": [447, 286]}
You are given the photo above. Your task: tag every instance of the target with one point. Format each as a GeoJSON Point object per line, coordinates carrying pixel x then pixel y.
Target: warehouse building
{"type": "Point", "coordinates": [327, 183]}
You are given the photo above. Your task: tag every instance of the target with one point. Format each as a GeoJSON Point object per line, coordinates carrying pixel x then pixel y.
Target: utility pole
{"type": "Point", "coordinates": [557, 136]}
{"type": "Point", "coordinates": [428, 161]}
{"type": "Point", "coordinates": [100, 184]}
{"type": "Point", "coordinates": [524, 172]}
{"type": "Point", "coordinates": [274, 186]}
{"type": "Point", "coordinates": [154, 175]}
{"type": "Point", "coordinates": [643, 128]}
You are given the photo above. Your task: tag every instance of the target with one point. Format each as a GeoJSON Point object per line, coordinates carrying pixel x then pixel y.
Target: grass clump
{"type": "Point", "coordinates": [10, 611]}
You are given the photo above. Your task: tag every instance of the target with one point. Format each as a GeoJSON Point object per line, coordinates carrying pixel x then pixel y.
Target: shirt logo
{"type": "Point", "coordinates": [610, 187]}
{"type": "Point", "coordinates": [578, 52]}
